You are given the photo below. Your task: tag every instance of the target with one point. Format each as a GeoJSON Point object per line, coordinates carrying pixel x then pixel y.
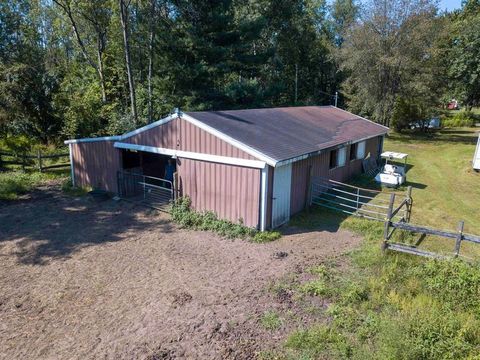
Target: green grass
{"type": "Point", "coordinates": [15, 183]}
{"type": "Point", "coordinates": [390, 306]}
{"type": "Point", "coordinates": [445, 187]}
{"type": "Point", "coordinates": [270, 320]}
{"type": "Point", "coordinates": [397, 306]}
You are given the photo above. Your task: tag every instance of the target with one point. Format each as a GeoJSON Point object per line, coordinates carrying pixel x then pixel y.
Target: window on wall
{"type": "Point", "coordinates": [357, 151]}
{"type": "Point", "coordinates": [342, 156]}
{"type": "Point", "coordinates": [353, 151]}
{"type": "Point", "coordinates": [338, 157]}
{"type": "Point", "coordinates": [361, 150]}
{"type": "Point", "coordinates": [333, 158]}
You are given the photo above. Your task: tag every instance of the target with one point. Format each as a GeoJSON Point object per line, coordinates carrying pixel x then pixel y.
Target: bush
{"type": "Point", "coordinates": [460, 119]}
{"type": "Point", "coordinates": [183, 214]}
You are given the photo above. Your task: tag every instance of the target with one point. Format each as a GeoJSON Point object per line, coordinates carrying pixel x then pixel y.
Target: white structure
{"type": "Point", "coordinates": [391, 174]}
{"type": "Point", "coordinates": [476, 157]}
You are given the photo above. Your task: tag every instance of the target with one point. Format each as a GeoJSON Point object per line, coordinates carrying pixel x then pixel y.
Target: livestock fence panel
{"type": "Point", "coordinates": [152, 191]}
{"type": "Point", "coordinates": [354, 200]}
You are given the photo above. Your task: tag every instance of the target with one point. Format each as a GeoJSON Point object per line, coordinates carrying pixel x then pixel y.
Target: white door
{"type": "Point", "coordinates": [476, 158]}
{"type": "Point", "coordinates": [282, 182]}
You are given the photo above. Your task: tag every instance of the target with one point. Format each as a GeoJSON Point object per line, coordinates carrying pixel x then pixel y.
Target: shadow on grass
{"type": "Point", "coordinates": [317, 219]}
{"type": "Point", "coordinates": [452, 135]}
{"type": "Point", "coordinates": [55, 226]}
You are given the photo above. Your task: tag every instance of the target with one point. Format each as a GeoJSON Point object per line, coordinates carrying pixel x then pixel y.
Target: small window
{"type": "Point", "coordinates": [357, 151]}
{"type": "Point", "coordinates": [353, 151]}
{"type": "Point", "coordinates": [333, 159]}
{"type": "Point", "coordinates": [361, 150]}
{"type": "Point", "coordinates": [338, 157]}
{"type": "Point", "coordinates": [342, 156]}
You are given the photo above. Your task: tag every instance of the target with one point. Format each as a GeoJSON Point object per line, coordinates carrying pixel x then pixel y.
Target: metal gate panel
{"type": "Point", "coordinates": [282, 184]}
{"type": "Point", "coordinates": [149, 190]}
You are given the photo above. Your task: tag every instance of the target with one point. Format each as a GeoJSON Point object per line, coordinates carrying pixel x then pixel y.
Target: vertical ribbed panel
{"type": "Point", "coordinates": [233, 192]}
{"type": "Point", "coordinates": [96, 164]}
{"type": "Point", "coordinates": [189, 138]}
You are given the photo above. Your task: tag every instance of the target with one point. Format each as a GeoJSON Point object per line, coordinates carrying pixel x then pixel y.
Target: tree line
{"type": "Point", "coordinates": [77, 68]}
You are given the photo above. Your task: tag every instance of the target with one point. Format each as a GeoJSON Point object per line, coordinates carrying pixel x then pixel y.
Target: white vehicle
{"type": "Point", "coordinates": [392, 174]}
{"type": "Point", "coordinates": [476, 156]}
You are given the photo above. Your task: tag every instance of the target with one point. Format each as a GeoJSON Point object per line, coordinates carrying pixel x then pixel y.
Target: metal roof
{"type": "Point", "coordinates": [290, 132]}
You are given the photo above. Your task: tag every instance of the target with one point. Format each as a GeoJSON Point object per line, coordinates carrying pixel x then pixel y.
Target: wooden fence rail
{"type": "Point", "coordinates": [404, 224]}
{"type": "Point", "coordinates": [25, 160]}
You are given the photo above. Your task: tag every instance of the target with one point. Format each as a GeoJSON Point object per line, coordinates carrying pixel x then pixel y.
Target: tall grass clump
{"type": "Point", "coordinates": [15, 183]}
{"type": "Point", "coordinates": [183, 214]}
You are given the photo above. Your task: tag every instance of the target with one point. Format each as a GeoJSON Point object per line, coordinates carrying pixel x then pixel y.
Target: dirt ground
{"type": "Point", "coordinates": [81, 279]}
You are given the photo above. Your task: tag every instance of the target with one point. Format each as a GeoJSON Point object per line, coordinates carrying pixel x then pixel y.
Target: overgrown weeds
{"type": "Point", "coordinates": [186, 217]}
{"type": "Point", "coordinates": [15, 183]}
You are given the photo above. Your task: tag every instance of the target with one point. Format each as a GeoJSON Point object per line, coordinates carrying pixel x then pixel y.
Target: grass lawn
{"type": "Point", "coordinates": [445, 187]}
{"type": "Point", "coordinates": [398, 306]}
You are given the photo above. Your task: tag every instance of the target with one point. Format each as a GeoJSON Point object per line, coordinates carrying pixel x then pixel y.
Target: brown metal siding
{"type": "Point", "coordinates": [96, 164]}
{"type": "Point", "coordinates": [233, 192]}
{"type": "Point", "coordinates": [320, 167]}
{"type": "Point", "coordinates": [182, 135]}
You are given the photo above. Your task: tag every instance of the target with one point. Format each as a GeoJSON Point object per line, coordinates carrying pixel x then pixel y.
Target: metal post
{"type": "Point", "coordinates": [358, 198]}
{"type": "Point", "coordinates": [144, 193]}
{"type": "Point", "coordinates": [459, 238]}
{"type": "Point", "coordinates": [336, 98]}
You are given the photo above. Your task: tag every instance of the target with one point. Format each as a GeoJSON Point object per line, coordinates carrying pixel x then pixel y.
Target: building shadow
{"type": "Point", "coordinates": [56, 226]}
{"type": "Point", "coordinates": [316, 219]}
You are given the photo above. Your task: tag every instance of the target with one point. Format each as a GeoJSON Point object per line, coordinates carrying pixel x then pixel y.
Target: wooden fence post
{"type": "Point", "coordinates": [308, 189]}
{"type": "Point", "coordinates": [24, 160]}
{"type": "Point", "coordinates": [388, 220]}
{"type": "Point", "coordinates": [459, 238]}
{"type": "Point", "coordinates": [39, 158]}
{"type": "Point", "coordinates": [409, 203]}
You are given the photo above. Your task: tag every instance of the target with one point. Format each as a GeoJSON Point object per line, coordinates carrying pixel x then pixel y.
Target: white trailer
{"type": "Point", "coordinates": [476, 157]}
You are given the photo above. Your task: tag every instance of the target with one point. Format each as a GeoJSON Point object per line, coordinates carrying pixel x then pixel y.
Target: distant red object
{"type": "Point", "coordinates": [453, 105]}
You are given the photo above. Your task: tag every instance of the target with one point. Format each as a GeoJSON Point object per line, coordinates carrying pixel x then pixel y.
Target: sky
{"type": "Point", "coordinates": [450, 4]}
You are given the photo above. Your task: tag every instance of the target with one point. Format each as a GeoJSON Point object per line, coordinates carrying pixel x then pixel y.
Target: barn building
{"type": "Point", "coordinates": [252, 164]}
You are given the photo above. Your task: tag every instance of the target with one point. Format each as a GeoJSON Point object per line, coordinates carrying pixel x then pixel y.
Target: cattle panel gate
{"type": "Point", "coordinates": [151, 191]}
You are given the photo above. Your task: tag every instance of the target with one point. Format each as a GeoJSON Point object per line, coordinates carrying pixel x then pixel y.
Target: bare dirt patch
{"type": "Point", "coordinates": [84, 280]}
